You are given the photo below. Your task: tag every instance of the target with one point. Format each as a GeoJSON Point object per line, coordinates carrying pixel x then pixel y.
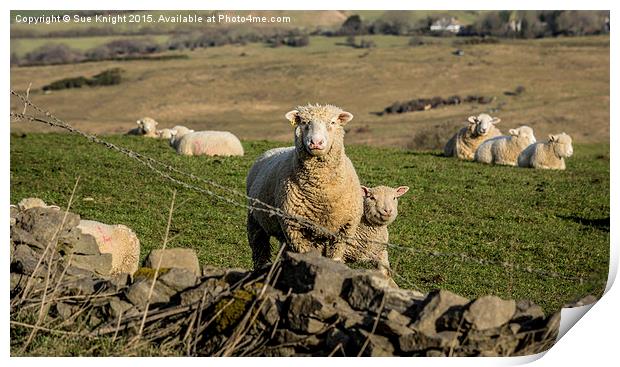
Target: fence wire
{"type": "Point", "coordinates": [254, 204]}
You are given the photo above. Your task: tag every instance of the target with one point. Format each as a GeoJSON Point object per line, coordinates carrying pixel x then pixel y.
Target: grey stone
{"type": "Point", "coordinates": [336, 339]}
{"type": "Point", "coordinates": [280, 352]}
{"type": "Point", "coordinates": [210, 271]}
{"type": "Point", "coordinates": [310, 271]}
{"type": "Point", "coordinates": [178, 279]}
{"type": "Point", "coordinates": [405, 301]}
{"type": "Point", "coordinates": [284, 336]}
{"type": "Point", "coordinates": [119, 307]}
{"type": "Point", "coordinates": [232, 276]}
{"type": "Point", "coordinates": [64, 310]}
{"type": "Point", "coordinates": [101, 264]}
{"type": "Point", "coordinates": [436, 303]}
{"type": "Point", "coordinates": [489, 312]}
{"type": "Point", "coordinates": [44, 223]}
{"type": "Point", "coordinates": [81, 286]}
{"type": "Point", "coordinates": [21, 236]}
{"type": "Point", "coordinates": [206, 290]}
{"type": "Point", "coordinates": [119, 281]}
{"type": "Point", "coordinates": [138, 294]}
{"type": "Point", "coordinates": [527, 310]}
{"type": "Point", "coordinates": [270, 311]}
{"type": "Point", "coordinates": [303, 311]}
{"type": "Point", "coordinates": [76, 242]}
{"type": "Point", "coordinates": [452, 319]}
{"type": "Point", "coordinates": [417, 341]}
{"type": "Point", "coordinates": [435, 353]}
{"type": "Point", "coordinates": [377, 346]}
{"type": "Point", "coordinates": [25, 261]}
{"type": "Point", "coordinates": [365, 291]}
{"type": "Point", "coordinates": [184, 258]}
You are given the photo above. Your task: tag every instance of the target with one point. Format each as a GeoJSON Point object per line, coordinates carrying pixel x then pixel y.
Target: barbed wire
{"type": "Point", "coordinates": [254, 204]}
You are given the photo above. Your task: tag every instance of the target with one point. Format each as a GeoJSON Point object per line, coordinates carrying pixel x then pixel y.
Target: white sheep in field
{"type": "Point", "coordinates": [464, 143]}
{"type": "Point", "coordinates": [314, 179]}
{"type": "Point", "coordinates": [380, 210]}
{"type": "Point", "coordinates": [147, 127]}
{"type": "Point", "coordinates": [177, 130]}
{"type": "Point", "coordinates": [118, 240]}
{"type": "Point", "coordinates": [221, 143]}
{"type": "Point", "coordinates": [505, 150]}
{"type": "Point", "coordinates": [549, 154]}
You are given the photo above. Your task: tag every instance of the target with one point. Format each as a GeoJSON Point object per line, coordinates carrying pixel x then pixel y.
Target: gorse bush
{"type": "Point", "coordinates": [107, 77]}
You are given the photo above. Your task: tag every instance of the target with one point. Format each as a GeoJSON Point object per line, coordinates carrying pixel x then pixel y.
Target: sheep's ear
{"type": "Point", "coordinates": [513, 132]}
{"type": "Point", "coordinates": [293, 117]}
{"type": "Point", "coordinates": [472, 120]}
{"type": "Point", "coordinates": [495, 120]}
{"type": "Point", "coordinates": [365, 191]}
{"type": "Point", "coordinates": [139, 122]}
{"type": "Point", "coordinates": [401, 190]}
{"type": "Point", "coordinates": [55, 207]}
{"type": "Point", "coordinates": [345, 117]}
{"type": "Point", "coordinates": [552, 138]}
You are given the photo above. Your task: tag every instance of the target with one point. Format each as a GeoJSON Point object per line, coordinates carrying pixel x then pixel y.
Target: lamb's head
{"type": "Point", "coordinates": [147, 125]}
{"type": "Point", "coordinates": [481, 125]}
{"type": "Point", "coordinates": [318, 128]}
{"type": "Point", "coordinates": [381, 203]}
{"type": "Point", "coordinates": [524, 134]}
{"type": "Point", "coordinates": [562, 145]}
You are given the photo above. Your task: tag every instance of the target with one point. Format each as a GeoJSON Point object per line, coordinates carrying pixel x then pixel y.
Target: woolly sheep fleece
{"type": "Point", "coordinates": [505, 150]}
{"type": "Point", "coordinates": [321, 186]}
{"type": "Point", "coordinates": [380, 210]}
{"type": "Point", "coordinates": [118, 240]}
{"type": "Point", "coordinates": [548, 155]}
{"type": "Point", "coordinates": [464, 143]}
{"type": "Point", "coordinates": [212, 143]}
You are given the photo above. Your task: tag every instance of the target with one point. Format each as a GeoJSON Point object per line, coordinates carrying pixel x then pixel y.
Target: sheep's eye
{"type": "Point", "coordinates": [333, 122]}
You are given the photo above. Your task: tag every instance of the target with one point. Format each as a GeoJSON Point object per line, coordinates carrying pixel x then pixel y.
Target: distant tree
{"type": "Point", "coordinates": [53, 54]}
{"type": "Point", "coordinates": [353, 25]}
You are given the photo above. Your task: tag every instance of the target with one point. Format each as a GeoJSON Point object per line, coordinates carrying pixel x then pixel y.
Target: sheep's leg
{"type": "Point", "coordinates": [383, 263]}
{"type": "Point", "coordinates": [259, 242]}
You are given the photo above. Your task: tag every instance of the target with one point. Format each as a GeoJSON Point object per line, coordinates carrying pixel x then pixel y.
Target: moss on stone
{"type": "Point", "coordinates": [149, 273]}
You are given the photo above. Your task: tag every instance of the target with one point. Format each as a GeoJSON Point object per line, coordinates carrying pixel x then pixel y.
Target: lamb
{"type": "Point", "coordinates": [548, 155]}
{"type": "Point", "coordinates": [28, 203]}
{"type": "Point", "coordinates": [464, 143]}
{"type": "Point", "coordinates": [505, 150]}
{"type": "Point", "coordinates": [380, 210]}
{"type": "Point", "coordinates": [177, 130]}
{"type": "Point", "coordinates": [118, 240]}
{"type": "Point", "coordinates": [164, 134]}
{"type": "Point", "coordinates": [221, 143]}
{"type": "Point", "coordinates": [147, 127]}
{"type": "Point", "coordinates": [314, 179]}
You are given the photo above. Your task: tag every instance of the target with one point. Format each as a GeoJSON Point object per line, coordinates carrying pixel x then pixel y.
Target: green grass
{"type": "Point", "coordinates": [554, 221]}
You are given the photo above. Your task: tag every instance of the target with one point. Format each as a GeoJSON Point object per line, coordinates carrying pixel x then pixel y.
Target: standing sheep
{"type": "Point", "coordinates": [118, 240]}
{"type": "Point", "coordinates": [464, 143]}
{"type": "Point", "coordinates": [210, 143]}
{"type": "Point", "coordinates": [147, 127]}
{"type": "Point", "coordinates": [548, 155]}
{"type": "Point", "coordinates": [314, 179]}
{"type": "Point", "coordinates": [380, 210]}
{"type": "Point", "coordinates": [505, 150]}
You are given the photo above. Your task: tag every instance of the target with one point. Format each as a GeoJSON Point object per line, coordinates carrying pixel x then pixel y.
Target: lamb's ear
{"type": "Point", "coordinates": [139, 122]}
{"type": "Point", "coordinates": [54, 207]}
{"type": "Point", "coordinates": [365, 191]}
{"type": "Point", "coordinates": [293, 117]}
{"type": "Point", "coordinates": [552, 138]}
{"type": "Point", "coordinates": [345, 117]}
{"type": "Point", "coordinates": [513, 132]}
{"type": "Point", "coordinates": [472, 120]}
{"type": "Point", "coordinates": [401, 190]}
{"type": "Point", "coordinates": [495, 120]}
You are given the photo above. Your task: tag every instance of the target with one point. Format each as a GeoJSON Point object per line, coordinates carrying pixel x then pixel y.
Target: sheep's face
{"type": "Point", "coordinates": [381, 203]}
{"type": "Point", "coordinates": [317, 127]}
{"type": "Point", "coordinates": [481, 125]}
{"type": "Point", "coordinates": [524, 134]}
{"type": "Point", "coordinates": [147, 125]}
{"type": "Point", "coordinates": [562, 145]}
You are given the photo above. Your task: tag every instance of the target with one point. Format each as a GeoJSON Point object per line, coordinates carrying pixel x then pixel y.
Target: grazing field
{"type": "Point", "coordinates": [551, 221]}
{"type": "Point", "coordinates": [247, 88]}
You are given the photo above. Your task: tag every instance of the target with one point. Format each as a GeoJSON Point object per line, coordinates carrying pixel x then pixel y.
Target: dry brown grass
{"type": "Point", "coordinates": [566, 81]}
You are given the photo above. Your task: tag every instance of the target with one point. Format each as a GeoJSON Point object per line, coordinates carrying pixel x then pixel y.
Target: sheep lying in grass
{"type": "Point", "coordinates": [464, 143]}
{"type": "Point", "coordinates": [118, 240]}
{"type": "Point", "coordinates": [147, 127]}
{"type": "Point", "coordinates": [380, 210]}
{"type": "Point", "coordinates": [548, 155]}
{"type": "Point", "coordinates": [314, 179]}
{"type": "Point", "coordinates": [505, 149]}
{"type": "Point", "coordinates": [221, 143]}
{"type": "Point", "coordinates": [177, 130]}
{"type": "Point", "coordinates": [28, 203]}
